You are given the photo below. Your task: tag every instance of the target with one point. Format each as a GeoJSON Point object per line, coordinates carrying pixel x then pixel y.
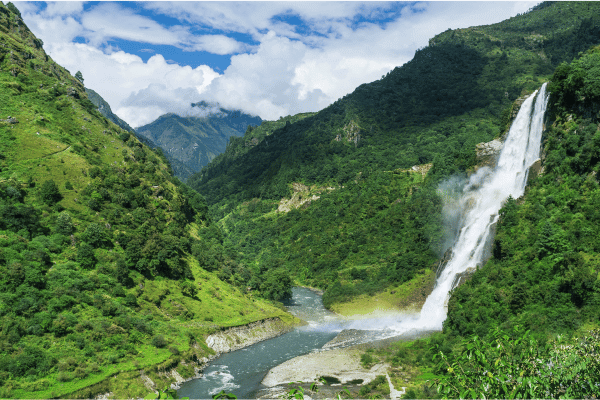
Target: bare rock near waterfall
{"type": "Point", "coordinates": [488, 152]}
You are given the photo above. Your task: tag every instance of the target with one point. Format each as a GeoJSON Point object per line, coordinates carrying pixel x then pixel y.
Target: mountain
{"type": "Point", "coordinates": [110, 269]}
{"type": "Point", "coordinates": [105, 110]}
{"type": "Point", "coordinates": [195, 141]}
{"type": "Point", "coordinates": [356, 224]}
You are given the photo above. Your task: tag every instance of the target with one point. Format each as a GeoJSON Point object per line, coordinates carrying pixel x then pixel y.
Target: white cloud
{"type": "Point", "coordinates": [119, 76]}
{"type": "Point", "coordinates": [286, 73]}
{"type": "Point", "coordinates": [216, 44]}
{"type": "Point", "coordinates": [109, 20]}
{"type": "Point", "coordinates": [63, 8]}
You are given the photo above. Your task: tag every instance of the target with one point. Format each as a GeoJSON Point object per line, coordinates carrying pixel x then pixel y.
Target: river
{"type": "Point", "coordinates": [240, 372]}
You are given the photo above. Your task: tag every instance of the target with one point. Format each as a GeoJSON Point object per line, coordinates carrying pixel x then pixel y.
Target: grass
{"type": "Point", "coordinates": [407, 297]}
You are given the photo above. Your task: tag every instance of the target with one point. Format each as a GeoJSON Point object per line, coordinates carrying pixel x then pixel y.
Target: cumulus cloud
{"type": "Point", "coordinates": [284, 69]}
{"type": "Point", "coordinates": [130, 85]}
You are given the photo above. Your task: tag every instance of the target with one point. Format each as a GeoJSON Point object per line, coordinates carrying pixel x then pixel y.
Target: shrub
{"type": "Point", "coordinates": [64, 224]}
{"type": "Point", "coordinates": [159, 341]}
{"type": "Point", "coordinates": [64, 377]}
{"type": "Point", "coordinates": [85, 256]}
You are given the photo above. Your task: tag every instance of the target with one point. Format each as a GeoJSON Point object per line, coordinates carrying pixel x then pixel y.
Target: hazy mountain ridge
{"type": "Point", "coordinates": [105, 109]}
{"type": "Point", "coordinates": [195, 141]}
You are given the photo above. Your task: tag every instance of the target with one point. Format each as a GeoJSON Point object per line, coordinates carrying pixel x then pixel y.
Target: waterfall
{"type": "Point", "coordinates": [482, 197]}
{"type": "Point", "coordinates": [485, 193]}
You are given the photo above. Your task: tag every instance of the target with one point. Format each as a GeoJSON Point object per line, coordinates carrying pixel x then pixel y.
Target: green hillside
{"type": "Point", "coordinates": [195, 141]}
{"type": "Point", "coordinates": [101, 252]}
{"type": "Point", "coordinates": [453, 94]}
{"type": "Point", "coordinates": [458, 91]}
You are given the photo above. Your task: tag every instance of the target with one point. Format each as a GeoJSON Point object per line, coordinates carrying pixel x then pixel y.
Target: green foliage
{"type": "Point", "coordinates": [79, 76]}
{"type": "Point", "coordinates": [85, 256]}
{"type": "Point", "coordinates": [49, 192]}
{"type": "Point", "coordinates": [64, 223]}
{"type": "Point", "coordinates": [367, 360]}
{"type": "Point", "coordinates": [277, 285]}
{"type": "Point", "coordinates": [159, 341]}
{"type": "Point", "coordinates": [95, 235]}
{"type": "Point", "coordinates": [13, 8]}
{"type": "Point", "coordinates": [577, 84]}
{"type": "Point", "coordinates": [519, 366]}
{"type": "Point", "coordinates": [223, 395]}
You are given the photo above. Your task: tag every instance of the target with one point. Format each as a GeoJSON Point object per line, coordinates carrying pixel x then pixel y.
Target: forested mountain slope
{"type": "Point", "coordinates": [195, 141]}
{"type": "Point", "coordinates": [453, 94]}
{"type": "Point", "coordinates": [101, 252]}
{"type": "Point", "coordinates": [373, 225]}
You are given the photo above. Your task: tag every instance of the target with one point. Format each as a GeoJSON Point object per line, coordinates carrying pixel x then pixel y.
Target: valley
{"type": "Point", "coordinates": [405, 236]}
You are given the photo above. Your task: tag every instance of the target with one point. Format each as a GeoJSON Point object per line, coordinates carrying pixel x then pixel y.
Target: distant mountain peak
{"type": "Point", "coordinates": [191, 142]}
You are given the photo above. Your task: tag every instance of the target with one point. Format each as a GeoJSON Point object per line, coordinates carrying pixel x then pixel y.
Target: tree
{"type": "Point", "coordinates": [49, 192]}
{"type": "Point", "coordinates": [95, 235]}
{"type": "Point", "coordinates": [79, 76]}
{"type": "Point", "coordinates": [13, 8]}
{"type": "Point", "coordinates": [277, 285]}
{"type": "Point", "coordinates": [64, 224]}
{"type": "Point", "coordinates": [85, 256]}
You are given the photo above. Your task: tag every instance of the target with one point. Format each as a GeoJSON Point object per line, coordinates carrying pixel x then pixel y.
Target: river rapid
{"type": "Point", "coordinates": [240, 372]}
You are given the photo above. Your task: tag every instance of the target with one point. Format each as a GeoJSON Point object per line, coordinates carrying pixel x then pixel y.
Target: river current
{"type": "Point", "coordinates": [240, 372]}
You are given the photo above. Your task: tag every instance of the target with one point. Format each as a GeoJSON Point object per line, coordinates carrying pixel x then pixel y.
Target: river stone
{"type": "Point", "coordinates": [343, 364]}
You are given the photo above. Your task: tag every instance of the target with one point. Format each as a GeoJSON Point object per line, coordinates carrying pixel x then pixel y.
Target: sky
{"type": "Point", "coordinates": [269, 59]}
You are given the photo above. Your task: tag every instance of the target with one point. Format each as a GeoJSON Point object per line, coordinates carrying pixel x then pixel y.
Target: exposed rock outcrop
{"type": "Point", "coordinates": [343, 364]}
{"type": "Point", "coordinates": [535, 170]}
{"type": "Point", "coordinates": [488, 152]}
{"type": "Point", "coordinates": [302, 194]}
{"type": "Point", "coordinates": [241, 336]}
{"type": "Point", "coordinates": [350, 132]}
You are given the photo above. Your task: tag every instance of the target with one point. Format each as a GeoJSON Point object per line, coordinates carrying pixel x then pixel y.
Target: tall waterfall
{"type": "Point", "coordinates": [483, 196]}
{"type": "Point", "coordinates": [521, 149]}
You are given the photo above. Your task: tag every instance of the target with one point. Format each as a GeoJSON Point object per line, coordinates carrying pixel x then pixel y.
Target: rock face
{"type": "Point", "coordinates": [302, 195]}
{"type": "Point", "coordinates": [241, 336]}
{"type": "Point", "coordinates": [350, 132]}
{"type": "Point", "coordinates": [535, 170]}
{"type": "Point", "coordinates": [488, 152]}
